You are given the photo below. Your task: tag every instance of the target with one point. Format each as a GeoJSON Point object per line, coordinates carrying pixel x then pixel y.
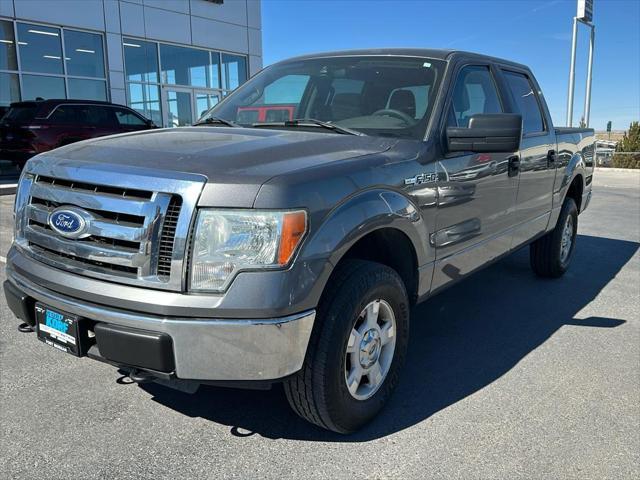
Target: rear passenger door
{"type": "Point", "coordinates": [476, 193]}
{"type": "Point", "coordinates": [67, 125]}
{"type": "Point", "coordinates": [537, 156]}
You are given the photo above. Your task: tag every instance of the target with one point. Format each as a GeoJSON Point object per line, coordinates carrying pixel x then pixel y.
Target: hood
{"type": "Point", "coordinates": [235, 161]}
{"type": "Point", "coordinates": [224, 153]}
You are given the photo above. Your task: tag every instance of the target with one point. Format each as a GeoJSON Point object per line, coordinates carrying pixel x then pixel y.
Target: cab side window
{"type": "Point", "coordinates": [526, 101]}
{"type": "Point", "coordinates": [66, 115]}
{"type": "Point", "coordinates": [474, 92]}
{"type": "Point", "coordinates": [128, 119]}
{"type": "Point", "coordinates": [101, 117]}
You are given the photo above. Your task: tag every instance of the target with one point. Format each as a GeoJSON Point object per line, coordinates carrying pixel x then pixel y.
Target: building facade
{"type": "Point", "coordinates": [169, 59]}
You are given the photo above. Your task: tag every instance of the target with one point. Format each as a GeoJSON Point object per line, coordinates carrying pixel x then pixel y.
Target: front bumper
{"type": "Point", "coordinates": [203, 348]}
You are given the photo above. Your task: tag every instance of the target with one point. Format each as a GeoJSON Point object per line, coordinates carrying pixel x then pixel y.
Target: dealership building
{"type": "Point", "coordinates": [170, 60]}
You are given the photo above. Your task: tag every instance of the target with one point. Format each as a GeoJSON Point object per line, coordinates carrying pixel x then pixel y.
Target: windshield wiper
{"type": "Point", "coordinates": [310, 122]}
{"type": "Point", "coordinates": [217, 121]}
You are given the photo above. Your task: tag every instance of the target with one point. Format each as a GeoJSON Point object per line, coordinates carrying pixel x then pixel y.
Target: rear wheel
{"type": "Point", "coordinates": [550, 255]}
{"type": "Point", "coordinates": [357, 349]}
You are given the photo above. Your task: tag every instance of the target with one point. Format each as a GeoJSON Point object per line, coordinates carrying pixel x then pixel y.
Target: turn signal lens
{"type": "Point", "coordinates": [294, 225]}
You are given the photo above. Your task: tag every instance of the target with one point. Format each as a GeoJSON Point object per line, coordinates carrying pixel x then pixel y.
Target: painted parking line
{"type": "Point", "coordinates": [3, 259]}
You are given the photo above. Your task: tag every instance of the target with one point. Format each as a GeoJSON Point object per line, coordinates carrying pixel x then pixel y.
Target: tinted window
{"type": "Point", "coordinates": [9, 88]}
{"type": "Point", "coordinates": [234, 71]}
{"type": "Point", "coordinates": [474, 92]}
{"type": "Point", "coordinates": [83, 89]}
{"type": "Point", "coordinates": [184, 66]}
{"type": "Point", "coordinates": [214, 70]}
{"type": "Point", "coordinates": [146, 100]}
{"type": "Point", "coordinates": [66, 114]}
{"type": "Point", "coordinates": [40, 49]}
{"type": "Point", "coordinates": [83, 53]}
{"type": "Point", "coordinates": [141, 60]}
{"type": "Point", "coordinates": [8, 59]}
{"type": "Point", "coordinates": [100, 116]}
{"type": "Point", "coordinates": [20, 115]}
{"type": "Point", "coordinates": [128, 118]}
{"type": "Point", "coordinates": [526, 101]}
{"type": "Point", "coordinates": [40, 86]}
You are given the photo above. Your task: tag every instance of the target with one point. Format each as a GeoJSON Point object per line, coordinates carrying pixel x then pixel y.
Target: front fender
{"type": "Point", "coordinates": [349, 222]}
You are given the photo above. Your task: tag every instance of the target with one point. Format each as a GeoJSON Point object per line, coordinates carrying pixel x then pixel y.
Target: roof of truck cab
{"type": "Point", "coordinates": [437, 54]}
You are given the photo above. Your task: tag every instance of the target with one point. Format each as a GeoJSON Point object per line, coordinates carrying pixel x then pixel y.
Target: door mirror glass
{"type": "Point", "coordinates": [496, 132]}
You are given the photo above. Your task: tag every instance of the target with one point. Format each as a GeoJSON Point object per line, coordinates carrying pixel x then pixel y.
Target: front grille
{"type": "Point", "coordinates": [167, 237]}
{"type": "Point", "coordinates": [88, 187]}
{"type": "Point", "coordinates": [131, 231]}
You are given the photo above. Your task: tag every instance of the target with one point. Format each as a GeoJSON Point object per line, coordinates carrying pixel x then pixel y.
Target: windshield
{"type": "Point", "coordinates": [377, 95]}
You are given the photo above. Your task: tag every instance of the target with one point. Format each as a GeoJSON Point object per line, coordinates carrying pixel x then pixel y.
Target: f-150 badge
{"type": "Point", "coordinates": [421, 178]}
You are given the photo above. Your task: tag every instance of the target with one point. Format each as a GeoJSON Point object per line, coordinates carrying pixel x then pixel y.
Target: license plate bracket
{"type": "Point", "coordinates": [61, 330]}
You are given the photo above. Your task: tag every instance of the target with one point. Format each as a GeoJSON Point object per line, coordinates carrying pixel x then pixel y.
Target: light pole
{"type": "Point", "coordinates": [584, 16]}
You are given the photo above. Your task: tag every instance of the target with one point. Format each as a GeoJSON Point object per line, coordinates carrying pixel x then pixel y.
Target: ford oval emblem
{"type": "Point", "coordinates": [70, 222]}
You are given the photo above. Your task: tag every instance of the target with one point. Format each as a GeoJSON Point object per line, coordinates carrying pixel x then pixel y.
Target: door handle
{"type": "Point", "coordinates": [514, 165]}
{"type": "Point", "coordinates": [551, 156]}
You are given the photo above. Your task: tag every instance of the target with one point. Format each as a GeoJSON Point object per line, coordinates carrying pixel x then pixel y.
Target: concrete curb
{"type": "Point", "coordinates": [611, 169]}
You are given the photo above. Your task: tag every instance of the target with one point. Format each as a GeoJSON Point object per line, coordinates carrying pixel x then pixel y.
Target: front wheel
{"type": "Point", "coordinates": [550, 255]}
{"type": "Point", "coordinates": [357, 349]}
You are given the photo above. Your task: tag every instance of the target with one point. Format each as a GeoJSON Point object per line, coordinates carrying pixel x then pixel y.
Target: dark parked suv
{"type": "Point", "coordinates": [33, 127]}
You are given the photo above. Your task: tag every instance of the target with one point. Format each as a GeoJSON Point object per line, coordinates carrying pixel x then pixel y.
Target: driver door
{"type": "Point", "coordinates": [476, 191]}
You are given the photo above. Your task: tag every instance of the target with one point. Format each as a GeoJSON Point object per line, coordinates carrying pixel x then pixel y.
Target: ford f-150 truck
{"type": "Point", "coordinates": [247, 254]}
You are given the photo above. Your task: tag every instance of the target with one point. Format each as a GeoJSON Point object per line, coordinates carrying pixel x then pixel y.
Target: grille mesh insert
{"type": "Point", "coordinates": [167, 237]}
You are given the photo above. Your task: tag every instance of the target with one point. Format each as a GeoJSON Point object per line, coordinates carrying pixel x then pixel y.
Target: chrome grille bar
{"type": "Point", "coordinates": [138, 220]}
{"type": "Point", "coordinates": [101, 228]}
{"type": "Point", "coordinates": [106, 202]}
{"type": "Point", "coordinates": [89, 251]}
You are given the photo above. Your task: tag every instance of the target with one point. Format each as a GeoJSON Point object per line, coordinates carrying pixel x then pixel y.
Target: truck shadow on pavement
{"type": "Point", "coordinates": [461, 341]}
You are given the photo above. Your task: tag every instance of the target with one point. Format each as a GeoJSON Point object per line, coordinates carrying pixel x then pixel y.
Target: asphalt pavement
{"type": "Point", "coordinates": [508, 376]}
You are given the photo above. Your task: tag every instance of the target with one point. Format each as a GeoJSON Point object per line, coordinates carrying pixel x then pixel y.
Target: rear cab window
{"type": "Point", "coordinates": [526, 100]}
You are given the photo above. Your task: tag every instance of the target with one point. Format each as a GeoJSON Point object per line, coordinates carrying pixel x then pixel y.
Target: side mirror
{"type": "Point", "coordinates": [487, 132]}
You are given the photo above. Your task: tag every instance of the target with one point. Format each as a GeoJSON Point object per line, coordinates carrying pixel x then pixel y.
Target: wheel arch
{"type": "Point", "coordinates": [374, 225]}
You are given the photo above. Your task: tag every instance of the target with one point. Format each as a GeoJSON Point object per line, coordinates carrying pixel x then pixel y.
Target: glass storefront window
{"type": "Point", "coordinates": [234, 71]}
{"type": "Point", "coordinates": [145, 99]}
{"type": "Point", "coordinates": [41, 86]}
{"type": "Point", "coordinates": [84, 54]}
{"type": "Point", "coordinates": [214, 70]}
{"type": "Point", "coordinates": [83, 89]}
{"type": "Point", "coordinates": [184, 66]}
{"type": "Point", "coordinates": [8, 58]}
{"type": "Point", "coordinates": [40, 48]}
{"type": "Point", "coordinates": [9, 88]}
{"type": "Point", "coordinates": [141, 60]}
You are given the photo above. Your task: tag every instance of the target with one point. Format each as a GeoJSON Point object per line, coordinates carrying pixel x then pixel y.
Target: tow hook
{"type": "Point", "coordinates": [139, 376]}
{"type": "Point", "coordinates": [25, 328]}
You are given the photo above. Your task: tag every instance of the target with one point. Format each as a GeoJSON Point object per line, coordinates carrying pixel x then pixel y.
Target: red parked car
{"type": "Point", "coordinates": [33, 127]}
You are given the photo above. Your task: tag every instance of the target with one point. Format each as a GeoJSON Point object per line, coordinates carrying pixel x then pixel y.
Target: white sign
{"type": "Point", "coordinates": [585, 10]}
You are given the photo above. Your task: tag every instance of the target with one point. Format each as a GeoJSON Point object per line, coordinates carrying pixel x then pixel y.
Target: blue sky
{"type": "Point", "coordinates": [536, 33]}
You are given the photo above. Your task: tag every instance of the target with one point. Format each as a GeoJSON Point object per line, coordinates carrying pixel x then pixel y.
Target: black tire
{"type": "Point", "coordinates": [545, 253]}
{"type": "Point", "coordinates": [318, 392]}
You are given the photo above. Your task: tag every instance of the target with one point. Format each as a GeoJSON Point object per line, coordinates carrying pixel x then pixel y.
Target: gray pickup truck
{"type": "Point", "coordinates": [286, 236]}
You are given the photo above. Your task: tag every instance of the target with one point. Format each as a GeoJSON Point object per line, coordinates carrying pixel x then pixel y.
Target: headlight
{"type": "Point", "coordinates": [226, 242]}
